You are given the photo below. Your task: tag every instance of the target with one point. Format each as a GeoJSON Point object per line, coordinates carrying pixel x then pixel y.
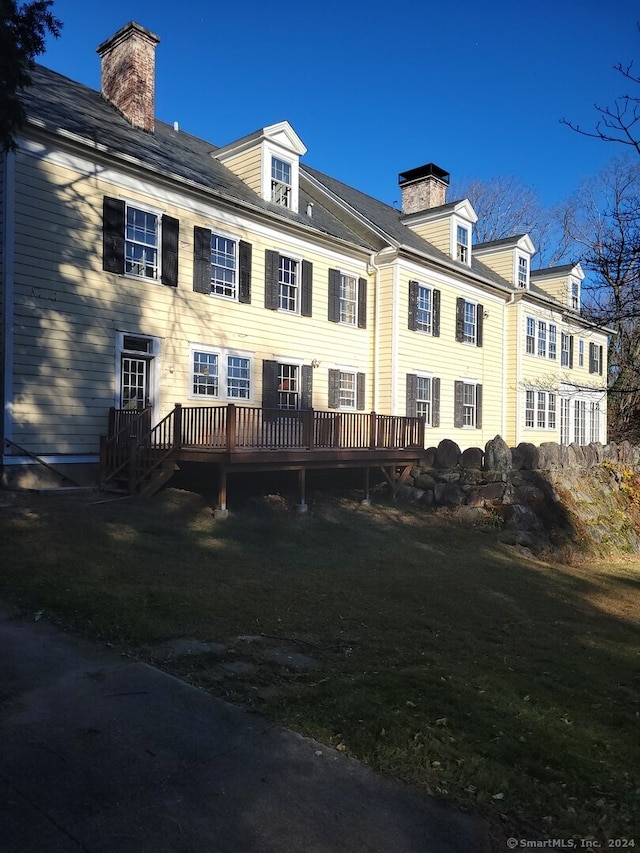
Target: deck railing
{"type": "Point", "coordinates": [134, 450]}
{"type": "Point", "coordinates": [244, 428]}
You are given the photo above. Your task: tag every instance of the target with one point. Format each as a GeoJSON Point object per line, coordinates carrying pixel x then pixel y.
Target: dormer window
{"type": "Point", "coordinates": [574, 295]}
{"type": "Point", "coordinates": [280, 182]}
{"type": "Point", "coordinates": [523, 272]}
{"type": "Point", "coordinates": [462, 244]}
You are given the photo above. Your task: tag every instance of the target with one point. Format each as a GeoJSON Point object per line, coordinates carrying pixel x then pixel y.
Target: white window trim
{"type": "Point", "coordinates": [223, 363]}
{"type": "Point", "coordinates": [536, 409]}
{"type": "Point", "coordinates": [421, 374]}
{"type": "Point", "coordinates": [428, 332]}
{"type": "Point", "coordinates": [573, 280]}
{"type": "Point", "coordinates": [455, 222]}
{"type": "Point", "coordinates": [344, 274]}
{"type": "Point", "coordinates": [298, 260]}
{"type": "Point", "coordinates": [154, 377]}
{"type": "Point", "coordinates": [516, 270]}
{"type": "Point", "coordinates": [156, 211]}
{"type": "Point", "coordinates": [269, 151]}
{"type": "Point", "coordinates": [474, 383]}
{"type": "Point", "coordinates": [473, 342]}
{"type": "Point", "coordinates": [226, 235]}
{"type": "Point", "coordinates": [353, 371]}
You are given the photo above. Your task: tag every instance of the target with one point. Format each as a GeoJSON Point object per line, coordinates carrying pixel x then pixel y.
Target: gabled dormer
{"type": "Point", "coordinates": [509, 258]}
{"type": "Point", "coordinates": [268, 161]}
{"type": "Point", "coordinates": [448, 227]}
{"type": "Point", "coordinates": [563, 283]}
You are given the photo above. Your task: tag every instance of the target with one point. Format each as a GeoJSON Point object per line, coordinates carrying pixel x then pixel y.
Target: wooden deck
{"type": "Point", "coordinates": [242, 438]}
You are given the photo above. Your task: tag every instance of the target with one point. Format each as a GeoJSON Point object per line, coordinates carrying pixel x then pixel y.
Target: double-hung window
{"type": "Point", "coordinates": [288, 386]}
{"type": "Point", "coordinates": [462, 244]}
{"type": "Point", "coordinates": [223, 266]}
{"type": "Point", "coordinates": [553, 341]}
{"type": "Point", "coordinates": [566, 355]}
{"type": "Point", "coordinates": [542, 338]}
{"type": "Point", "coordinates": [580, 353]}
{"type": "Point", "coordinates": [280, 182]}
{"type": "Point", "coordinates": [348, 299]}
{"type": "Point", "coordinates": [531, 336]}
{"type": "Point", "coordinates": [595, 358]}
{"type": "Point", "coordinates": [424, 312]}
{"type": "Point", "coordinates": [467, 404]}
{"type": "Point", "coordinates": [219, 374]}
{"type": "Point", "coordinates": [523, 272]}
{"type": "Point", "coordinates": [141, 243]}
{"type": "Point", "coordinates": [580, 421]}
{"type": "Point", "coordinates": [348, 390]}
{"type": "Point", "coordinates": [575, 295]}
{"type": "Point", "coordinates": [540, 410]}
{"type": "Point", "coordinates": [288, 285]}
{"type": "Point", "coordinates": [469, 329]}
{"type": "Point", "coordinates": [594, 422]}
{"type": "Point", "coordinates": [423, 398]}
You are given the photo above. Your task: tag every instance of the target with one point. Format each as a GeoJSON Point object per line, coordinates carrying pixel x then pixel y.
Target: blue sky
{"type": "Point", "coordinates": [477, 88]}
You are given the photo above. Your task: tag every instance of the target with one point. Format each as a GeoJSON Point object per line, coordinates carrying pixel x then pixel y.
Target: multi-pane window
{"type": "Point", "coordinates": [579, 421]}
{"type": "Point", "coordinates": [575, 295]}
{"type": "Point", "coordinates": [423, 398]}
{"type": "Point", "coordinates": [553, 346]}
{"type": "Point", "coordinates": [469, 328]}
{"type": "Point", "coordinates": [462, 244]}
{"type": "Point", "coordinates": [531, 336]}
{"type": "Point", "coordinates": [347, 398]}
{"type": "Point", "coordinates": [540, 410]}
{"type": "Point", "coordinates": [580, 353]}
{"type": "Point", "coordinates": [469, 405]}
{"type": "Point", "coordinates": [595, 359]}
{"type": "Point", "coordinates": [542, 338]}
{"type": "Point", "coordinates": [205, 374]}
{"type": "Point", "coordinates": [424, 313]}
{"type": "Point", "coordinates": [220, 374]}
{"type": "Point", "coordinates": [565, 346]}
{"type": "Point", "coordinates": [348, 299]}
{"type": "Point", "coordinates": [141, 243]}
{"type": "Point", "coordinates": [280, 182]}
{"type": "Point", "coordinates": [523, 271]}
{"type": "Point", "coordinates": [594, 422]}
{"type": "Point", "coordinates": [288, 284]}
{"type": "Point", "coordinates": [564, 420]}
{"type": "Point", "coordinates": [223, 266]}
{"type": "Point", "coordinates": [238, 377]}
{"type": "Point", "coordinates": [288, 386]}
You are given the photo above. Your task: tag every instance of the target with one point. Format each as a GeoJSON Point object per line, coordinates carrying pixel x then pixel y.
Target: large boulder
{"type": "Point", "coordinates": [472, 457]}
{"type": "Point", "coordinates": [497, 455]}
{"type": "Point", "coordinates": [447, 455]}
{"type": "Point", "coordinates": [526, 457]}
{"type": "Point", "coordinates": [549, 456]}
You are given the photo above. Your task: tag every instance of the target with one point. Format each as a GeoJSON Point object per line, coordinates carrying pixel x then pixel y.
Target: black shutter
{"type": "Point", "coordinates": [201, 259]}
{"type": "Point", "coordinates": [412, 394]}
{"type": "Point", "coordinates": [435, 324]}
{"type": "Point", "coordinates": [478, 406]}
{"type": "Point", "coordinates": [362, 303]}
{"type": "Point", "coordinates": [334, 296]}
{"type": "Point", "coordinates": [271, 288]}
{"type": "Point", "coordinates": [479, 324]}
{"type": "Point", "coordinates": [570, 350]}
{"type": "Point", "coordinates": [360, 391]}
{"type": "Point", "coordinates": [269, 384]}
{"type": "Point", "coordinates": [244, 272]}
{"type": "Point", "coordinates": [413, 305]}
{"type": "Point", "coordinates": [600, 363]}
{"type": "Point", "coordinates": [334, 389]}
{"type": "Point", "coordinates": [170, 233]}
{"type": "Point", "coordinates": [592, 360]}
{"type": "Point", "coordinates": [458, 402]}
{"type": "Point", "coordinates": [113, 235]}
{"type": "Point", "coordinates": [306, 295]}
{"type": "Point", "coordinates": [306, 397]}
{"type": "Point", "coordinates": [460, 319]}
{"type": "Point", "coordinates": [435, 402]}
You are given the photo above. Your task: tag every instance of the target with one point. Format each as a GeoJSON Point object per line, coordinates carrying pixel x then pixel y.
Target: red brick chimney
{"type": "Point", "coordinates": [423, 188]}
{"type": "Point", "coordinates": [128, 73]}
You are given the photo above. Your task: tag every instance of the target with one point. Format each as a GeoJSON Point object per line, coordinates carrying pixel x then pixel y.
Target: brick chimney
{"type": "Point", "coordinates": [423, 188]}
{"type": "Point", "coordinates": [128, 73]}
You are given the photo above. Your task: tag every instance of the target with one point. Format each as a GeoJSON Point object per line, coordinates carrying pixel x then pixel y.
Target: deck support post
{"type": "Point", "coordinates": [366, 501]}
{"type": "Point", "coordinates": [394, 477]}
{"type": "Point", "coordinates": [302, 505]}
{"type": "Point", "coordinates": [177, 425]}
{"type": "Point", "coordinates": [222, 511]}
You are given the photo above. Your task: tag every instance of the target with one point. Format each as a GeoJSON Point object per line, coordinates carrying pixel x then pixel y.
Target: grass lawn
{"type": "Point", "coordinates": [459, 665]}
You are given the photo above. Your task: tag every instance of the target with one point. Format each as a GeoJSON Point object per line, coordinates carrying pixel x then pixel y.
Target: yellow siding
{"type": "Point", "coordinates": [450, 361]}
{"type": "Point", "coordinates": [437, 233]}
{"type": "Point", "coordinates": [68, 312]}
{"type": "Point", "coordinates": [500, 262]}
{"type": "Point", "coordinates": [557, 288]}
{"type": "Point", "coordinates": [513, 322]}
{"type": "Point", "coordinates": [248, 167]}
